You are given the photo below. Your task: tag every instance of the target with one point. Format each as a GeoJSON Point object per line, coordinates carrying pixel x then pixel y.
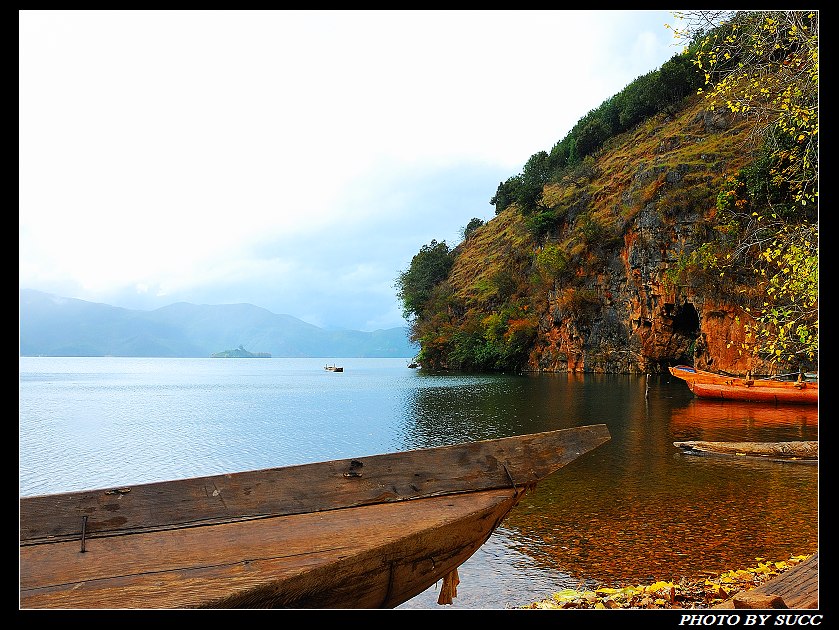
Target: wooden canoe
{"type": "Point", "coordinates": [370, 532]}
{"type": "Point", "coordinates": [803, 451]}
{"type": "Point", "coordinates": [711, 385]}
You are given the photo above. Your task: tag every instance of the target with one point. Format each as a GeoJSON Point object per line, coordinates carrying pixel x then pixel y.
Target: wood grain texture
{"type": "Point", "coordinates": [804, 449]}
{"type": "Point", "coordinates": [482, 465]}
{"type": "Point", "coordinates": [370, 532]}
{"type": "Point", "coordinates": [374, 556]}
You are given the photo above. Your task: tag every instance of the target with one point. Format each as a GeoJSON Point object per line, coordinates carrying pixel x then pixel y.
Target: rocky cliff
{"type": "Point", "coordinates": [626, 222]}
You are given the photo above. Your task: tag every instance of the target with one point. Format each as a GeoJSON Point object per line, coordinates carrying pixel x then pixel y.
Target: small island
{"type": "Point", "coordinates": [240, 353]}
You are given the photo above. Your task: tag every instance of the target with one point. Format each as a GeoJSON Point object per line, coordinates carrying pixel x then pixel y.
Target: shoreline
{"type": "Point", "coordinates": [791, 583]}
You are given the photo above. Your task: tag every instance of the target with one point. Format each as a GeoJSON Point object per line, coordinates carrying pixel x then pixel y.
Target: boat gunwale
{"type": "Point", "coordinates": [312, 487]}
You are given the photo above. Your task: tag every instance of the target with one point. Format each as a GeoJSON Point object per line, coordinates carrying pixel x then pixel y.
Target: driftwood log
{"type": "Point", "coordinates": [799, 450]}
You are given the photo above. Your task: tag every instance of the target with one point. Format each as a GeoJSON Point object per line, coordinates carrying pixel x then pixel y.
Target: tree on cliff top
{"type": "Point", "coordinates": [428, 268]}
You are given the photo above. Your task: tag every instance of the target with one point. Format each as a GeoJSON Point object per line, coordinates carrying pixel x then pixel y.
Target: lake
{"type": "Point", "coordinates": [634, 510]}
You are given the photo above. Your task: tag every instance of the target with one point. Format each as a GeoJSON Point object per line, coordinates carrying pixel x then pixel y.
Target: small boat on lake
{"type": "Point", "coordinates": [368, 532]}
{"type": "Point", "coordinates": [768, 389]}
{"type": "Point", "coordinates": [333, 368]}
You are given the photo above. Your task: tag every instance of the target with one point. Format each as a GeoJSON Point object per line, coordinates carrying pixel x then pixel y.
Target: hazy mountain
{"type": "Point", "coordinates": [51, 325]}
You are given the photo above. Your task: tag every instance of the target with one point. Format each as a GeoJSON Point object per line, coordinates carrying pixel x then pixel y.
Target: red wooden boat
{"type": "Point", "coordinates": [723, 387]}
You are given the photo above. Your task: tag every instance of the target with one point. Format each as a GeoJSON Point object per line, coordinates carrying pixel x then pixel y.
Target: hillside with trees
{"type": "Point", "coordinates": [675, 223]}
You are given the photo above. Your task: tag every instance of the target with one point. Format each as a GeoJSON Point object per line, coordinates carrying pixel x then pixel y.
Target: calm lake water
{"type": "Point", "coordinates": [632, 511]}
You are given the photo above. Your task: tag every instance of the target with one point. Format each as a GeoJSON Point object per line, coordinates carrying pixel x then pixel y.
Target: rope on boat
{"type": "Point", "coordinates": [449, 589]}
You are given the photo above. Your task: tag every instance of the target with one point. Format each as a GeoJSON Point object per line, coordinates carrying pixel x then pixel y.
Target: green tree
{"type": "Point", "coordinates": [676, 79]}
{"type": "Point", "coordinates": [428, 268]}
{"type": "Point", "coordinates": [506, 193]}
{"type": "Point", "coordinates": [592, 132]}
{"type": "Point", "coordinates": [470, 228]}
{"type": "Point", "coordinates": [534, 176]}
{"type": "Point", "coordinates": [640, 100]}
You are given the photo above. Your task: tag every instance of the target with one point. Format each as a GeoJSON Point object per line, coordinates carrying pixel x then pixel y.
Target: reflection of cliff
{"type": "Point", "coordinates": [464, 408]}
{"type": "Point", "coordinates": [740, 421]}
{"type": "Point", "coordinates": [635, 510]}
{"type": "Point", "coordinates": [448, 409]}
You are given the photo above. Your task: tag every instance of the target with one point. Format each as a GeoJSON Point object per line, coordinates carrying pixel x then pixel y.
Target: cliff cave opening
{"type": "Point", "coordinates": [686, 321]}
{"type": "Point", "coordinates": [685, 325]}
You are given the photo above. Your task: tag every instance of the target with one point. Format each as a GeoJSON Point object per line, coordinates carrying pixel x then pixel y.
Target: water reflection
{"type": "Point", "coordinates": [729, 421]}
{"type": "Point", "coordinates": [635, 509]}
{"type": "Point", "coordinates": [632, 510]}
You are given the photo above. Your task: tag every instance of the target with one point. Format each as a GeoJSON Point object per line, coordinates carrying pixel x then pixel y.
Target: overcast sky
{"type": "Point", "coordinates": [294, 160]}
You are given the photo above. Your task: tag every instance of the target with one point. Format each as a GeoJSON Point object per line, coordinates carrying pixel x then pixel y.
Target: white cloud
{"type": "Point", "coordinates": [166, 155]}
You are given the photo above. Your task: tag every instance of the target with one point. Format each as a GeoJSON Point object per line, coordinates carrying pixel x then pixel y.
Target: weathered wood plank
{"type": "Point", "coordinates": [369, 532]}
{"type": "Point", "coordinates": [483, 465]}
{"type": "Point", "coordinates": [804, 449]}
{"type": "Point", "coordinates": [375, 554]}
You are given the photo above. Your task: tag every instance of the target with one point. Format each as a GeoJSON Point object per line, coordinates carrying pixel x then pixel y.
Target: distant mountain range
{"type": "Point", "coordinates": [67, 327]}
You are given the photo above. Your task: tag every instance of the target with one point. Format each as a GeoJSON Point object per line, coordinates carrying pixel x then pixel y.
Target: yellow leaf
{"type": "Point", "coordinates": [567, 593]}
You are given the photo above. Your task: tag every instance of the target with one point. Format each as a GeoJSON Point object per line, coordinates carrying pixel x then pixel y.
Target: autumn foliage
{"type": "Point", "coordinates": [704, 593]}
